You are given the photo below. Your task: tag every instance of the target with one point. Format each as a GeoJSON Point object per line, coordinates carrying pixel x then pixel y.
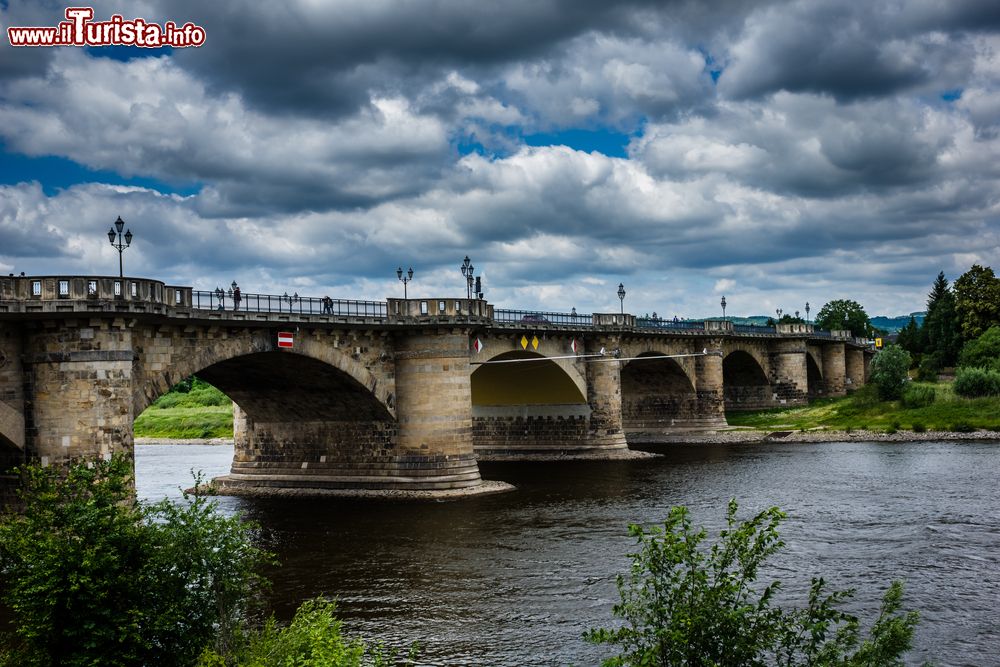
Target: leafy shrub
{"type": "Point", "coordinates": [918, 396]}
{"type": "Point", "coordinates": [962, 427]}
{"type": "Point", "coordinates": [889, 372]}
{"type": "Point", "coordinates": [977, 382]}
{"type": "Point", "coordinates": [918, 427]}
{"type": "Point", "coordinates": [982, 352]}
{"type": "Point", "coordinates": [686, 605]}
{"type": "Point", "coordinates": [929, 368]}
{"type": "Point", "coordinates": [95, 578]}
{"type": "Point", "coordinates": [314, 638]}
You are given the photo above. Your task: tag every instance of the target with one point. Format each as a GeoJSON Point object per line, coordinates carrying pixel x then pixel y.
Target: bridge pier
{"type": "Point", "coordinates": [834, 369]}
{"type": "Point", "coordinates": [854, 368]}
{"type": "Point", "coordinates": [710, 384]}
{"type": "Point", "coordinates": [604, 397]}
{"type": "Point", "coordinates": [79, 379]}
{"type": "Point", "coordinates": [790, 375]}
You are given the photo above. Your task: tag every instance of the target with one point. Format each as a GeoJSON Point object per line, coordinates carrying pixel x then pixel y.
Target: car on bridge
{"type": "Point", "coordinates": [534, 318]}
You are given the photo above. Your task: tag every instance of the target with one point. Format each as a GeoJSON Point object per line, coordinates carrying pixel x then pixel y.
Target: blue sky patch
{"type": "Point", "coordinates": [57, 173]}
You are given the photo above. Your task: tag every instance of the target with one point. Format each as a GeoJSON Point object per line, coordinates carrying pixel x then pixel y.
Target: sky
{"type": "Point", "coordinates": [772, 152]}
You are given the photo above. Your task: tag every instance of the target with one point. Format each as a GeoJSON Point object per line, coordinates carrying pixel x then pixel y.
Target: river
{"type": "Point", "coordinates": [515, 579]}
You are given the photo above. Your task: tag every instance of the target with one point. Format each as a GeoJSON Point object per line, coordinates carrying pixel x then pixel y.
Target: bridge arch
{"type": "Point", "coordinates": [536, 381]}
{"type": "Point", "coordinates": [277, 377]}
{"type": "Point", "coordinates": [745, 383]}
{"type": "Point", "coordinates": [657, 394]}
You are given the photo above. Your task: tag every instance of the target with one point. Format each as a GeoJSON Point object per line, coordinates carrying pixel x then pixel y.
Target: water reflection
{"type": "Point", "coordinates": [515, 579]}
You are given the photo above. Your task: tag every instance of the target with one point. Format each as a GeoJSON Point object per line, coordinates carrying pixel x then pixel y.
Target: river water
{"type": "Point", "coordinates": [515, 579]}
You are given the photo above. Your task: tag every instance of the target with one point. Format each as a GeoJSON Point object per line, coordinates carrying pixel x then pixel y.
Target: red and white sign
{"type": "Point", "coordinates": [286, 339]}
{"type": "Point", "coordinates": [573, 345]}
{"type": "Point", "coordinates": [477, 345]}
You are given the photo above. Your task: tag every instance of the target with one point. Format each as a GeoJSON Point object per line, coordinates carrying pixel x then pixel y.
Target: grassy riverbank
{"type": "Point", "coordinates": [195, 410]}
{"type": "Point", "coordinates": [863, 411]}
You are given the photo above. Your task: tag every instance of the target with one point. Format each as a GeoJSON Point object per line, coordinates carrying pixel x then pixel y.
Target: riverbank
{"type": "Point", "coordinates": [753, 436]}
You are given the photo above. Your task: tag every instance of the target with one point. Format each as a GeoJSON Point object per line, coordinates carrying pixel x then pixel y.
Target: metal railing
{"type": "Point", "coordinates": [275, 303]}
{"type": "Point", "coordinates": [660, 323]}
{"type": "Point", "coordinates": [822, 333]}
{"type": "Point", "coordinates": [754, 329]}
{"type": "Point", "coordinates": [530, 317]}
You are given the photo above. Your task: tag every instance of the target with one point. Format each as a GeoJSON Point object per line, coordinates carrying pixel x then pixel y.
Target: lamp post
{"type": "Point", "coordinates": [221, 296]}
{"type": "Point", "coordinates": [807, 312]}
{"type": "Point", "coordinates": [467, 270]}
{"type": "Point", "coordinates": [115, 234]}
{"type": "Point", "coordinates": [407, 279]}
{"type": "Point", "coordinates": [621, 296]}
{"type": "Point", "coordinates": [779, 311]}
{"type": "Point", "coordinates": [723, 304]}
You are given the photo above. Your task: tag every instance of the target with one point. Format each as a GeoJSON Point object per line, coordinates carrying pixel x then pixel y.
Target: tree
{"type": "Point", "coordinates": [845, 314]}
{"type": "Point", "coordinates": [685, 605]}
{"type": "Point", "coordinates": [983, 352]}
{"type": "Point", "coordinates": [977, 301]}
{"type": "Point", "coordinates": [939, 335]}
{"type": "Point", "coordinates": [889, 372]}
{"type": "Point", "coordinates": [909, 338]}
{"type": "Point", "coordinates": [95, 578]}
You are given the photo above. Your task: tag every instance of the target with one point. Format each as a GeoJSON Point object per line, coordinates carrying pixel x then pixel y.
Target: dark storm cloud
{"type": "Point", "coordinates": [328, 59]}
{"type": "Point", "coordinates": [851, 50]}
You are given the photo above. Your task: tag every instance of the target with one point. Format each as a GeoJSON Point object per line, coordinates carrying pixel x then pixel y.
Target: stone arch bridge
{"type": "Point", "coordinates": [400, 394]}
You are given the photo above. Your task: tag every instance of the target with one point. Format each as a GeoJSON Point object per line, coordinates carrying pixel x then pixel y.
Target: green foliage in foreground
{"type": "Point", "coordinates": [191, 409]}
{"type": "Point", "coordinates": [95, 578]}
{"type": "Point", "coordinates": [863, 410]}
{"type": "Point", "coordinates": [314, 637]}
{"type": "Point", "coordinates": [685, 605]}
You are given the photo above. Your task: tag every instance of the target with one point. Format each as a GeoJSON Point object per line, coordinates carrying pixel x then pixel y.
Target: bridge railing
{"type": "Point", "coordinates": [754, 329]}
{"type": "Point", "coordinates": [661, 323]}
{"type": "Point", "coordinates": [275, 303]}
{"type": "Point", "coordinates": [529, 317]}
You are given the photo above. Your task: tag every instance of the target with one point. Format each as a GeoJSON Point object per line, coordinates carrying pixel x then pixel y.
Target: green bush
{"type": "Point", "coordinates": [686, 605]}
{"type": "Point", "coordinates": [918, 396]}
{"type": "Point", "coordinates": [95, 578]}
{"type": "Point", "coordinates": [918, 427]}
{"type": "Point", "coordinates": [314, 638]}
{"type": "Point", "coordinates": [982, 352]}
{"type": "Point", "coordinates": [889, 372]}
{"type": "Point", "coordinates": [929, 368]}
{"type": "Point", "coordinates": [976, 382]}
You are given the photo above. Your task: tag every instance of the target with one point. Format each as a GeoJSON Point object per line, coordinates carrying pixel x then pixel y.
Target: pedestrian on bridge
{"type": "Point", "coordinates": [327, 305]}
{"type": "Point", "coordinates": [237, 297]}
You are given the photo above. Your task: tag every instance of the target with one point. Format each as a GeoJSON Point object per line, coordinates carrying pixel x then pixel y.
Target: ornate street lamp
{"type": "Point", "coordinates": [221, 296]}
{"type": "Point", "coordinates": [467, 270]}
{"type": "Point", "coordinates": [779, 311]}
{"type": "Point", "coordinates": [807, 312]}
{"type": "Point", "coordinates": [621, 296]}
{"type": "Point", "coordinates": [290, 299]}
{"type": "Point", "coordinates": [115, 234]}
{"type": "Point", "coordinates": [407, 279]}
{"type": "Point", "coordinates": [723, 302]}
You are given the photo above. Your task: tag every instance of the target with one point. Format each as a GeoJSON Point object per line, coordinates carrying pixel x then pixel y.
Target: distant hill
{"type": "Point", "coordinates": [893, 324]}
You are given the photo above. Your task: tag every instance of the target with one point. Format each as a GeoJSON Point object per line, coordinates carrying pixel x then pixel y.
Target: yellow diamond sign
{"type": "Point", "coordinates": [524, 343]}
{"type": "Point", "coordinates": [534, 342]}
